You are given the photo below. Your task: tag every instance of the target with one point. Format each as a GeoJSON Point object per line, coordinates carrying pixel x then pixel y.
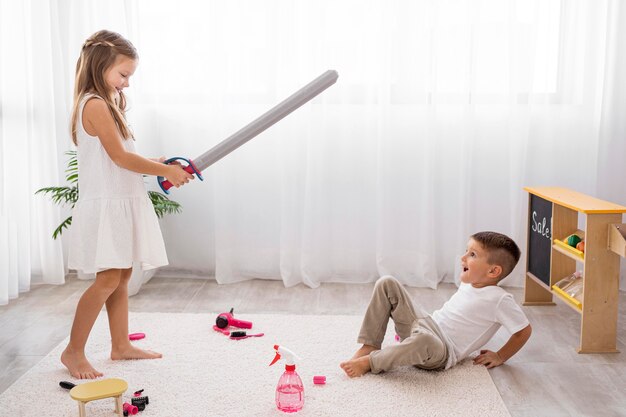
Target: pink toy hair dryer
{"type": "Point", "coordinates": [228, 319]}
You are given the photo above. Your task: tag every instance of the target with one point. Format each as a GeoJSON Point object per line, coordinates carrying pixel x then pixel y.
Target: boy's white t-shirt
{"type": "Point", "coordinates": [473, 315]}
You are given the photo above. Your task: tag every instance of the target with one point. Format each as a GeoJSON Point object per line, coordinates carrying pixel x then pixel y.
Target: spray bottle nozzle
{"type": "Point", "coordinates": [276, 358]}
{"type": "Point", "coordinates": [288, 354]}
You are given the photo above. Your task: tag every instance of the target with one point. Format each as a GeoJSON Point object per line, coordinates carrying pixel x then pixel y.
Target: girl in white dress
{"type": "Point", "coordinates": [113, 222]}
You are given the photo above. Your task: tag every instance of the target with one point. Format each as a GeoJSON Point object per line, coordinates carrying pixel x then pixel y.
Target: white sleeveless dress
{"type": "Point", "coordinates": [113, 222]}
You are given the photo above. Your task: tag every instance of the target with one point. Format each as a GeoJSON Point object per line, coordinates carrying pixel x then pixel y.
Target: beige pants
{"type": "Point", "coordinates": [422, 344]}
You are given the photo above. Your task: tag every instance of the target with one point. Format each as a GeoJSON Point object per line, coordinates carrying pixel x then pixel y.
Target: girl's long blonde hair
{"type": "Point", "coordinates": [97, 55]}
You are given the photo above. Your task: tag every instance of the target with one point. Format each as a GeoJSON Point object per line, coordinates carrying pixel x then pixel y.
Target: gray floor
{"type": "Point", "coordinates": [546, 378]}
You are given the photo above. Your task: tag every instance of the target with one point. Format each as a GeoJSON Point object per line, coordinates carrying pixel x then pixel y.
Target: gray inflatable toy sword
{"type": "Point", "coordinates": [252, 129]}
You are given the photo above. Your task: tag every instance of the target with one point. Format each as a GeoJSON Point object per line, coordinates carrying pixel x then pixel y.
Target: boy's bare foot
{"type": "Point", "coordinates": [364, 350]}
{"type": "Point", "coordinates": [356, 367]}
{"type": "Point", "coordinates": [78, 365]}
{"type": "Point", "coordinates": [132, 352]}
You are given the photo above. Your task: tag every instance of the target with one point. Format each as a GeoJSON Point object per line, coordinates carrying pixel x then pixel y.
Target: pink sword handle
{"type": "Point", "coordinates": [190, 168]}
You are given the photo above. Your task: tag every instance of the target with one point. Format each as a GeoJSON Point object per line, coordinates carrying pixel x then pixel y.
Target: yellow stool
{"type": "Point", "coordinates": [97, 390]}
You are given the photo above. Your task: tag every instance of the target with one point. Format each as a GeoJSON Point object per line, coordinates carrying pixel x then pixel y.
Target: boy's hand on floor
{"type": "Point", "coordinates": [488, 358]}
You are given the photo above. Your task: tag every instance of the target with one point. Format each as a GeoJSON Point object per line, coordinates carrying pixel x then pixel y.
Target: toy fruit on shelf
{"type": "Point", "coordinates": [581, 246]}
{"type": "Point", "coordinates": [573, 240]}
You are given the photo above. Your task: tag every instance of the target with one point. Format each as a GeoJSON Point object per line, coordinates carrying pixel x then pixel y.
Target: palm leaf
{"type": "Point", "coordinates": [66, 223]}
{"type": "Point", "coordinates": [61, 195]}
{"type": "Point", "coordinates": [163, 205]}
{"type": "Point", "coordinates": [71, 173]}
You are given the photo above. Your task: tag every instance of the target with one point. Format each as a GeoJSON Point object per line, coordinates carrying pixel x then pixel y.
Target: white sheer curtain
{"type": "Point", "coordinates": [29, 130]}
{"type": "Point", "coordinates": [612, 132]}
{"type": "Point", "coordinates": [443, 111]}
{"type": "Point", "coordinates": [39, 43]}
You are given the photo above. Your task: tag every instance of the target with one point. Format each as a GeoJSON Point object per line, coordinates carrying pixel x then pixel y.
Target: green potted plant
{"type": "Point", "coordinates": [68, 195]}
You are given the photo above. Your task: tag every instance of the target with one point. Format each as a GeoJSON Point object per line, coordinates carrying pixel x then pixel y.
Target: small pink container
{"type": "Point", "coordinates": [319, 379]}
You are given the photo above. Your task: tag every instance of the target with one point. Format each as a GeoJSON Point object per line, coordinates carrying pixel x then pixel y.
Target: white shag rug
{"type": "Point", "coordinates": [204, 373]}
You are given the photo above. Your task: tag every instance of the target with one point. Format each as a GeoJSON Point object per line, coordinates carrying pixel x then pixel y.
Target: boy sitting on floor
{"type": "Point", "coordinates": [464, 324]}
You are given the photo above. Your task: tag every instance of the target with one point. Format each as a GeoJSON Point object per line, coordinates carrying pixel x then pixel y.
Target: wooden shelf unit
{"type": "Point", "coordinates": [605, 241]}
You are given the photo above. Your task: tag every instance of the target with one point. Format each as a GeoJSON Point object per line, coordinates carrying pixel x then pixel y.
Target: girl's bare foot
{"type": "Point", "coordinates": [78, 365]}
{"type": "Point", "coordinates": [132, 352]}
{"type": "Point", "coordinates": [364, 350]}
{"type": "Point", "coordinates": [356, 367]}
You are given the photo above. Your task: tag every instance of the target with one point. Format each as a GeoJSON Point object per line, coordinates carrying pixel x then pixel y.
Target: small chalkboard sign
{"type": "Point", "coordinates": [540, 238]}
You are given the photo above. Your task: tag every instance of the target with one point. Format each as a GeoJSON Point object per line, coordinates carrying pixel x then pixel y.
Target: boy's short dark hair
{"type": "Point", "coordinates": [502, 250]}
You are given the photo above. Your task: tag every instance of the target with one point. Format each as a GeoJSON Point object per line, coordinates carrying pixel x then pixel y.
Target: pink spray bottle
{"type": "Point", "coordinates": [289, 391]}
